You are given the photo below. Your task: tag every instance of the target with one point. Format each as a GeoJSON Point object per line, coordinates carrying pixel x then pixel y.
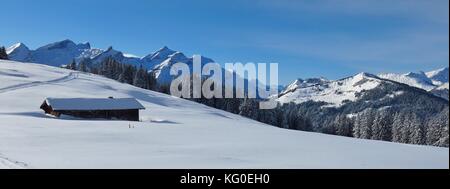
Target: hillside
{"type": "Point", "coordinates": [173, 133]}
{"type": "Point", "coordinates": [333, 92]}
{"type": "Point", "coordinates": [363, 106]}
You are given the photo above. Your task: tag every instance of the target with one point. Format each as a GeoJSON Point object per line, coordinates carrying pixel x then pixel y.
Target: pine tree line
{"type": "Point", "coordinates": [418, 120]}
{"type": "Point", "coordinates": [402, 126]}
{"type": "Point", "coordinates": [113, 69]}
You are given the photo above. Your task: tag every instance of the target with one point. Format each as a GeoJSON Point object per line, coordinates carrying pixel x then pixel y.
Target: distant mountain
{"type": "Point", "coordinates": [439, 76]}
{"type": "Point", "coordinates": [338, 92]}
{"type": "Point", "coordinates": [432, 81]}
{"type": "Point", "coordinates": [335, 93]}
{"type": "Point", "coordinates": [300, 83]}
{"type": "Point", "coordinates": [54, 54]}
{"type": "Point", "coordinates": [158, 57]}
{"type": "Point", "coordinates": [19, 52]}
{"type": "Point", "coordinates": [427, 81]}
{"type": "Point", "coordinates": [419, 80]}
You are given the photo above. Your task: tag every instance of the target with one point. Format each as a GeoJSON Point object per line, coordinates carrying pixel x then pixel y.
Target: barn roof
{"type": "Point", "coordinates": [93, 103]}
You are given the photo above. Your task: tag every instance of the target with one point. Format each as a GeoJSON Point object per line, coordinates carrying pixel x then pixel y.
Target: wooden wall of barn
{"type": "Point", "coordinates": [131, 115]}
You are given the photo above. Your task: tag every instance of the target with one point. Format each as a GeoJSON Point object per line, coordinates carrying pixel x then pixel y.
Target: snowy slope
{"type": "Point", "coordinates": [333, 92]}
{"type": "Point", "coordinates": [174, 133]}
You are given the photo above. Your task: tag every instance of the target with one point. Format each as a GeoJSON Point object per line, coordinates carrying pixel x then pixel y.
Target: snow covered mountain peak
{"type": "Point", "coordinates": [422, 80]}
{"type": "Point", "coordinates": [335, 93]}
{"type": "Point", "coordinates": [164, 49]}
{"type": "Point", "coordinates": [18, 51]}
{"type": "Point", "coordinates": [300, 83]}
{"type": "Point", "coordinates": [85, 45]}
{"type": "Point", "coordinates": [67, 43]}
{"type": "Point", "coordinates": [58, 53]}
{"type": "Point", "coordinates": [109, 53]}
{"type": "Point", "coordinates": [16, 46]}
{"type": "Point", "coordinates": [420, 75]}
{"type": "Point", "coordinates": [361, 80]}
{"type": "Point", "coordinates": [154, 59]}
{"type": "Point", "coordinates": [411, 79]}
{"type": "Point", "coordinates": [365, 75]}
{"type": "Point", "coordinates": [109, 49]}
{"type": "Point", "coordinates": [162, 53]}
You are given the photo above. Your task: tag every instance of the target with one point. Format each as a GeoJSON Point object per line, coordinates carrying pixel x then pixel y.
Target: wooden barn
{"type": "Point", "coordinates": [94, 108]}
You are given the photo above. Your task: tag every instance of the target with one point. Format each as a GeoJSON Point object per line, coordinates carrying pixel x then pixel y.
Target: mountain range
{"type": "Point", "coordinates": [64, 52]}
{"type": "Point", "coordinates": [337, 92]}
{"type": "Point", "coordinates": [406, 108]}
{"type": "Point", "coordinates": [319, 89]}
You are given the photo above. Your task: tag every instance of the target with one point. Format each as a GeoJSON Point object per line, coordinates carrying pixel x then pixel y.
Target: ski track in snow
{"type": "Point", "coordinates": [69, 77]}
{"type": "Point", "coordinates": [6, 162]}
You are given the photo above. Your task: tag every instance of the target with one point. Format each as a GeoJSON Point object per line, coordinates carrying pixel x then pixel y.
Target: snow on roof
{"type": "Point", "coordinates": [93, 103]}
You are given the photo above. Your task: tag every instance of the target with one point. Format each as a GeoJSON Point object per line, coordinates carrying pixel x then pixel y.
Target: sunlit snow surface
{"type": "Point", "coordinates": [174, 133]}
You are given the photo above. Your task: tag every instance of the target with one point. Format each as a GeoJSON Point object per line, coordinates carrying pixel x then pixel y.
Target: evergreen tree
{"type": "Point", "coordinates": [357, 127]}
{"type": "Point", "coordinates": [397, 127]}
{"type": "Point", "coordinates": [382, 126]}
{"type": "Point", "coordinates": [249, 108]}
{"type": "Point", "coordinates": [437, 129]}
{"type": "Point", "coordinates": [141, 78]}
{"type": "Point", "coordinates": [363, 124]}
{"type": "Point", "coordinates": [417, 133]}
{"type": "Point", "coordinates": [127, 74]}
{"type": "Point", "coordinates": [405, 132]}
{"type": "Point", "coordinates": [344, 125]}
{"type": "Point", "coordinates": [3, 54]}
{"type": "Point", "coordinates": [82, 66]}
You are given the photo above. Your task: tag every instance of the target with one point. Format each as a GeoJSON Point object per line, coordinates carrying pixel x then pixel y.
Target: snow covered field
{"type": "Point", "coordinates": [174, 133]}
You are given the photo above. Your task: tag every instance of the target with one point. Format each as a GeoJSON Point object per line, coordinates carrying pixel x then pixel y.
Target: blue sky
{"type": "Point", "coordinates": [330, 38]}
